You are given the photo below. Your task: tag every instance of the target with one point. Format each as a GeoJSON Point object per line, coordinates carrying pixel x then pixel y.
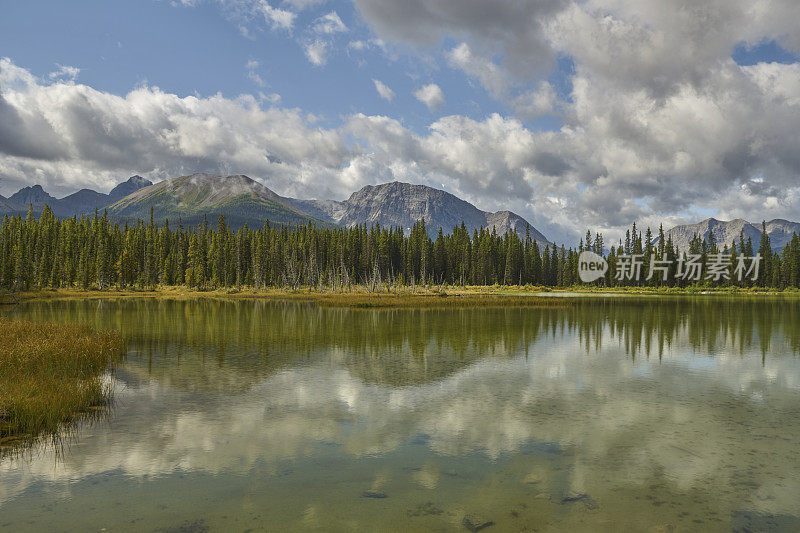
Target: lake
{"type": "Point", "coordinates": [602, 414]}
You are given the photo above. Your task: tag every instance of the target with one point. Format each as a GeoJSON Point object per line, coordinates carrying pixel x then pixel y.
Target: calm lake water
{"type": "Point", "coordinates": [637, 414]}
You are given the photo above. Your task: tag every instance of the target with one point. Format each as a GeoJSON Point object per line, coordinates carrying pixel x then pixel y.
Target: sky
{"type": "Point", "coordinates": [589, 114]}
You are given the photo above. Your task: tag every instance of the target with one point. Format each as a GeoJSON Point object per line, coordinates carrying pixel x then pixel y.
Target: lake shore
{"type": "Point", "coordinates": [434, 296]}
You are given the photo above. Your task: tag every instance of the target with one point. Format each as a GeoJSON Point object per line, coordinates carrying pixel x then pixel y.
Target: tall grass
{"type": "Point", "coordinates": [435, 300]}
{"type": "Point", "coordinates": [50, 374]}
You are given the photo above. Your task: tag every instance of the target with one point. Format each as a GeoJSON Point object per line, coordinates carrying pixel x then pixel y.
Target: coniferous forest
{"type": "Point", "coordinates": [94, 252]}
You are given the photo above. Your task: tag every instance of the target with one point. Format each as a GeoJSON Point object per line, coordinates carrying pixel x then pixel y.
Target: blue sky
{"type": "Point", "coordinates": [202, 50]}
{"type": "Point", "coordinates": [571, 113]}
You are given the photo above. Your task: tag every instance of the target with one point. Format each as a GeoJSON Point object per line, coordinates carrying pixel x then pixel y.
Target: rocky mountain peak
{"type": "Point", "coordinates": [131, 185]}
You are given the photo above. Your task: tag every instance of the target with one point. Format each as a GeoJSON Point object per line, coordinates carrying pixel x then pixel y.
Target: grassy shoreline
{"type": "Point", "coordinates": [51, 374]}
{"type": "Point", "coordinates": [432, 297]}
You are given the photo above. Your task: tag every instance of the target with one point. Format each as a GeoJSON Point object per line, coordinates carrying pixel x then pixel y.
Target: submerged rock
{"type": "Point", "coordinates": [476, 523]}
{"type": "Point", "coordinates": [425, 509]}
{"type": "Point", "coordinates": [582, 498]}
{"type": "Point", "coordinates": [374, 494]}
{"type": "Point", "coordinates": [532, 479]}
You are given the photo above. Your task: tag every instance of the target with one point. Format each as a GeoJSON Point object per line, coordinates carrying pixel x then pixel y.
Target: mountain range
{"type": "Point", "coordinates": [725, 232]}
{"type": "Point", "coordinates": [402, 204]}
{"type": "Point", "coordinates": [245, 201]}
{"type": "Point", "coordinates": [84, 201]}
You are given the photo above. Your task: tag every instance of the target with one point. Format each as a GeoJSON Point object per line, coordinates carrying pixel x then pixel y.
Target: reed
{"type": "Point", "coordinates": [51, 374]}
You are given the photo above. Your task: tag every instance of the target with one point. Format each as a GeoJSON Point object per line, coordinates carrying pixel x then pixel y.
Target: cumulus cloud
{"type": "Point", "coordinates": [277, 18]}
{"type": "Point", "coordinates": [536, 102]}
{"type": "Point", "coordinates": [659, 120]}
{"type": "Point", "coordinates": [383, 90]}
{"type": "Point", "coordinates": [65, 73]}
{"type": "Point", "coordinates": [246, 12]}
{"type": "Point", "coordinates": [493, 78]}
{"type": "Point", "coordinates": [519, 29]}
{"type": "Point", "coordinates": [656, 120]}
{"type": "Point", "coordinates": [317, 52]}
{"type": "Point", "coordinates": [430, 95]}
{"type": "Point", "coordinates": [501, 85]}
{"type": "Point", "coordinates": [329, 24]}
{"type": "Point", "coordinates": [68, 136]}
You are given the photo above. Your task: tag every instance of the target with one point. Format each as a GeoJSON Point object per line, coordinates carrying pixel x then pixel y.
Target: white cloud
{"type": "Point", "coordinates": [329, 24]}
{"type": "Point", "coordinates": [68, 136]}
{"type": "Point", "coordinates": [317, 52]}
{"type": "Point", "coordinates": [383, 90]}
{"type": "Point", "coordinates": [430, 95]}
{"type": "Point", "coordinates": [65, 73]}
{"type": "Point", "coordinates": [277, 18]}
{"type": "Point", "coordinates": [303, 4]}
{"type": "Point", "coordinates": [358, 45]}
{"type": "Point", "coordinates": [251, 66]}
{"type": "Point", "coordinates": [491, 76]}
{"type": "Point", "coordinates": [659, 121]}
{"type": "Point", "coordinates": [501, 85]}
{"type": "Point", "coordinates": [518, 29]}
{"type": "Point", "coordinates": [245, 12]}
{"type": "Point", "coordinates": [536, 102]}
{"type": "Point", "coordinates": [273, 98]}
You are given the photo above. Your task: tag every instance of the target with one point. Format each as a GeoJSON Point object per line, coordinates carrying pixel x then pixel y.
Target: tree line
{"type": "Point", "coordinates": [95, 252]}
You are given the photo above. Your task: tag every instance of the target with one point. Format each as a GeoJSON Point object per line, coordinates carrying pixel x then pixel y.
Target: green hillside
{"type": "Point", "coordinates": [190, 198]}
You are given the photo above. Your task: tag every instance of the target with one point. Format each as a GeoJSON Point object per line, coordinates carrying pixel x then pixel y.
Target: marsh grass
{"type": "Point", "coordinates": [436, 300]}
{"type": "Point", "coordinates": [51, 374]}
{"type": "Point", "coordinates": [358, 297]}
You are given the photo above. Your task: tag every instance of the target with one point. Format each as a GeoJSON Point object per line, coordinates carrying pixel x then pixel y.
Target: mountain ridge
{"type": "Point", "coordinates": [402, 204]}
{"type": "Point", "coordinates": [84, 201]}
{"type": "Point", "coordinates": [243, 200]}
{"type": "Point", "coordinates": [780, 231]}
{"type": "Point", "coordinates": [195, 197]}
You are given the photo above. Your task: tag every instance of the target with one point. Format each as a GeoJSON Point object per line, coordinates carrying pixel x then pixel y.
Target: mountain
{"type": "Point", "coordinates": [725, 232]}
{"type": "Point", "coordinates": [35, 196]}
{"type": "Point", "coordinates": [9, 207]}
{"type": "Point", "coordinates": [403, 204]}
{"type": "Point", "coordinates": [190, 198]}
{"type": "Point", "coordinates": [246, 201]}
{"type": "Point", "coordinates": [85, 201]}
{"type": "Point", "coordinates": [130, 186]}
{"type": "Point", "coordinates": [780, 232]}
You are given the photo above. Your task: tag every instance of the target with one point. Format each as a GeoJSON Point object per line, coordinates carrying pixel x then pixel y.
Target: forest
{"type": "Point", "coordinates": [93, 252]}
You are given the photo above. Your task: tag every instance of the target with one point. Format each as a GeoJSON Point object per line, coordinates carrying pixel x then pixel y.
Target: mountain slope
{"type": "Point", "coordinates": [8, 207]}
{"type": "Point", "coordinates": [190, 198]}
{"type": "Point", "coordinates": [403, 204]}
{"type": "Point", "coordinates": [780, 232]}
{"type": "Point", "coordinates": [725, 232]}
{"type": "Point", "coordinates": [82, 202]}
{"type": "Point", "coordinates": [129, 186]}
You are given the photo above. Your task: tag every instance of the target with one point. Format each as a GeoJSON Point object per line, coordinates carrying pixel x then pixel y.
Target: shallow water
{"type": "Point", "coordinates": [606, 414]}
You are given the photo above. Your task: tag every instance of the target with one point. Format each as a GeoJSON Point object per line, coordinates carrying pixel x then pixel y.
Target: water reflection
{"type": "Point", "coordinates": [653, 408]}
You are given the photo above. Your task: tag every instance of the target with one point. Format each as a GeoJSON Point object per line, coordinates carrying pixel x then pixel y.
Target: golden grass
{"type": "Point", "coordinates": [358, 297]}
{"type": "Point", "coordinates": [441, 300]}
{"type": "Point", "coordinates": [51, 374]}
